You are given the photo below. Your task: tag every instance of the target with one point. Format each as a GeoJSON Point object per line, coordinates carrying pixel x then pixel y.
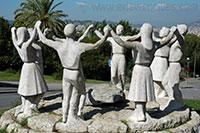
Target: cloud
{"type": "Point", "coordinates": [145, 7]}
{"type": "Point", "coordinates": [130, 6]}
{"type": "Point", "coordinates": [185, 7]}
{"type": "Point", "coordinates": [81, 3]}
{"type": "Point", "coordinates": [160, 6]}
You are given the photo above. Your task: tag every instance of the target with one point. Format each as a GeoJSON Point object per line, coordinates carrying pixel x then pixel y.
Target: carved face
{"type": "Point", "coordinates": [22, 35]}
{"type": "Point", "coordinates": [164, 32]}
{"type": "Point", "coordinates": [119, 30]}
{"type": "Point", "coordinates": [70, 30]}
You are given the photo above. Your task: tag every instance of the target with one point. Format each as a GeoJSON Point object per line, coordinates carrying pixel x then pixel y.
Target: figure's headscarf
{"type": "Point", "coordinates": [182, 28]}
{"type": "Point", "coordinates": [22, 35]}
{"type": "Point", "coordinates": [146, 36]}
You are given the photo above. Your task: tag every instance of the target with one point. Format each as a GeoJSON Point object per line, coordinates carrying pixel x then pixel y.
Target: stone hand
{"type": "Point", "coordinates": [47, 31]}
{"type": "Point", "coordinates": [37, 24]}
{"type": "Point", "coordinates": [107, 29]}
{"type": "Point", "coordinates": [91, 26]}
{"type": "Point", "coordinates": [173, 29]}
{"type": "Point", "coordinates": [13, 29]}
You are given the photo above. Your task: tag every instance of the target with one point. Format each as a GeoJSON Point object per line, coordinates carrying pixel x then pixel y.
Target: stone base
{"type": "Point", "coordinates": [100, 94]}
{"type": "Point", "coordinates": [105, 118]}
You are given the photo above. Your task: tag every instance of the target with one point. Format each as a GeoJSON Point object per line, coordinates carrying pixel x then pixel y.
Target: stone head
{"type": "Point", "coordinates": [22, 35]}
{"type": "Point", "coordinates": [182, 28]}
{"type": "Point", "coordinates": [119, 29]}
{"type": "Point", "coordinates": [146, 36]}
{"type": "Point", "coordinates": [164, 32]}
{"type": "Point", "coordinates": [70, 30]}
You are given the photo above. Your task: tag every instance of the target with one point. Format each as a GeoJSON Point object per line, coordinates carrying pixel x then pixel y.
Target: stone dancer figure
{"type": "Point", "coordinates": [83, 96]}
{"type": "Point", "coordinates": [159, 64]}
{"type": "Point", "coordinates": [172, 77]}
{"type": "Point", "coordinates": [118, 63]}
{"type": "Point", "coordinates": [32, 85]}
{"type": "Point", "coordinates": [69, 52]}
{"type": "Point", "coordinates": [141, 88]}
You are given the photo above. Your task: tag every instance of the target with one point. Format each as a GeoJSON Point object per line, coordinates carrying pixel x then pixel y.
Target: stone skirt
{"type": "Point", "coordinates": [31, 80]}
{"type": "Point", "coordinates": [172, 75]}
{"type": "Point", "coordinates": [159, 68]}
{"type": "Point", "coordinates": [141, 88]}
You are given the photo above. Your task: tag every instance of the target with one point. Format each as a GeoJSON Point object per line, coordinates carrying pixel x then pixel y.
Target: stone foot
{"type": "Point", "coordinates": [64, 119]}
{"type": "Point", "coordinates": [72, 125]}
{"type": "Point", "coordinates": [18, 111]}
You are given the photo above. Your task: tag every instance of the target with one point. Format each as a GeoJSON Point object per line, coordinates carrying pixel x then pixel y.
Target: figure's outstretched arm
{"type": "Point", "coordinates": [173, 40]}
{"type": "Point", "coordinates": [131, 38]}
{"type": "Point", "coordinates": [57, 39]}
{"type": "Point", "coordinates": [98, 34]}
{"type": "Point", "coordinates": [31, 39]}
{"type": "Point", "coordinates": [42, 37]}
{"type": "Point", "coordinates": [14, 39]}
{"type": "Point", "coordinates": [155, 39]}
{"type": "Point", "coordinates": [89, 46]}
{"type": "Point", "coordinates": [36, 46]}
{"type": "Point", "coordinates": [85, 33]}
{"type": "Point", "coordinates": [124, 43]}
{"type": "Point", "coordinates": [180, 38]}
{"type": "Point", "coordinates": [101, 36]}
{"type": "Point", "coordinates": [49, 31]}
{"type": "Point", "coordinates": [169, 37]}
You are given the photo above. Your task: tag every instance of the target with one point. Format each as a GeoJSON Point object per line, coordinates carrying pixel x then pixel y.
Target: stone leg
{"type": "Point", "coordinates": [169, 91]}
{"type": "Point", "coordinates": [123, 81]}
{"type": "Point", "coordinates": [67, 92]}
{"type": "Point", "coordinates": [36, 100]}
{"type": "Point", "coordinates": [22, 107]}
{"type": "Point", "coordinates": [28, 105]}
{"type": "Point", "coordinates": [81, 104]}
{"type": "Point", "coordinates": [140, 112]}
{"type": "Point", "coordinates": [175, 97]}
{"type": "Point", "coordinates": [74, 103]}
{"type": "Point", "coordinates": [159, 90]}
{"type": "Point", "coordinates": [114, 75]}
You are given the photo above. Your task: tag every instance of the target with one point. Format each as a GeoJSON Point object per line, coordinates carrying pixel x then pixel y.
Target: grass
{"type": "Point", "coordinates": [7, 76]}
{"type": "Point", "coordinates": [2, 111]}
{"type": "Point", "coordinates": [126, 123]}
{"type": "Point", "coordinates": [23, 122]}
{"type": "Point", "coordinates": [3, 131]}
{"type": "Point", "coordinates": [195, 104]}
{"type": "Point", "coordinates": [93, 81]}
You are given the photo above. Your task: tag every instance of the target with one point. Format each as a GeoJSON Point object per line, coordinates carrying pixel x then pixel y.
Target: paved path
{"type": "Point", "coordinates": [8, 91]}
{"type": "Point", "coordinates": [9, 96]}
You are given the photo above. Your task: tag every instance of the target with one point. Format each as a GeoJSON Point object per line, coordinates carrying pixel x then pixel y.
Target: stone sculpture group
{"type": "Point", "coordinates": [152, 77]}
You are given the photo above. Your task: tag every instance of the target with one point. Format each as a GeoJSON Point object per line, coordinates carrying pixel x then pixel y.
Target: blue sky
{"type": "Point", "coordinates": [157, 12]}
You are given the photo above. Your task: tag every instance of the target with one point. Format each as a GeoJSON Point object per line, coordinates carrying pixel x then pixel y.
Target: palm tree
{"type": "Point", "coordinates": [33, 10]}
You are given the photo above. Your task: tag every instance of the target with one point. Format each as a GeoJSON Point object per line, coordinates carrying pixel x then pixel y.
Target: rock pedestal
{"type": "Point", "coordinates": [113, 117]}
{"type": "Point", "coordinates": [100, 94]}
